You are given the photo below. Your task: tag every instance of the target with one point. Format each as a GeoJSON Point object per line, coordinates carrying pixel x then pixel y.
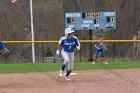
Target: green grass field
{"type": "Point", "coordinates": [45, 67]}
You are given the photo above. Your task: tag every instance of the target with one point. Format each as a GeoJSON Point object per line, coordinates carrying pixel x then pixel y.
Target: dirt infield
{"type": "Point", "coordinates": [97, 81]}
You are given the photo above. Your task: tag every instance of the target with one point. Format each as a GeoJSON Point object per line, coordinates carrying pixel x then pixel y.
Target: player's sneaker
{"type": "Point", "coordinates": [93, 62]}
{"type": "Point", "coordinates": [106, 63]}
{"type": "Point", "coordinates": [61, 73]}
{"type": "Point", "coordinates": [67, 78]}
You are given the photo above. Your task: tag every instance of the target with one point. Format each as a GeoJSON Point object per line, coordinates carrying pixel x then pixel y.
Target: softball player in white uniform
{"type": "Point", "coordinates": [68, 44]}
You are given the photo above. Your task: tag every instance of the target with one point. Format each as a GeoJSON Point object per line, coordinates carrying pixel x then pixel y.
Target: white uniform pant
{"type": "Point", "coordinates": [68, 58]}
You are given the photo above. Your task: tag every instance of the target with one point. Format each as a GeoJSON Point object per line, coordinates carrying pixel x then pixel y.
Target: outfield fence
{"type": "Point", "coordinates": [55, 41]}
{"type": "Point", "coordinates": [21, 51]}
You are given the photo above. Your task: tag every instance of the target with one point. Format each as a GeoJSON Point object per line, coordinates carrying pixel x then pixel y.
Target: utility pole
{"type": "Point", "coordinates": [32, 32]}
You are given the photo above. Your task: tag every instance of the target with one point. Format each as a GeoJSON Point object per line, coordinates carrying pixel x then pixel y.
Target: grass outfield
{"type": "Point", "coordinates": [44, 67]}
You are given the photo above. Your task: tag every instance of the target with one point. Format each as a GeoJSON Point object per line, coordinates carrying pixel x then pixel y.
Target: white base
{"type": "Point", "coordinates": [73, 74]}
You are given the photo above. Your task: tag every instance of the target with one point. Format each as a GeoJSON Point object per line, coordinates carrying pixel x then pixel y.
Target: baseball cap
{"type": "Point", "coordinates": [69, 30]}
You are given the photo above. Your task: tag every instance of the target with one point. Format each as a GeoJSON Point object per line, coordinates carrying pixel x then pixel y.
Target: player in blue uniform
{"type": "Point", "coordinates": [100, 47]}
{"type": "Point", "coordinates": [2, 46]}
{"type": "Point", "coordinates": [67, 44]}
{"type": "Point", "coordinates": [3, 49]}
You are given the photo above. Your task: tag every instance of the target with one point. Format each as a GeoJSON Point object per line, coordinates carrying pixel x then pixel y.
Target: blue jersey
{"type": "Point", "coordinates": [100, 45]}
{"type": "Point", "coordinates": [69, 45]}
{"type": "Point", "coordinates": [2, 46]}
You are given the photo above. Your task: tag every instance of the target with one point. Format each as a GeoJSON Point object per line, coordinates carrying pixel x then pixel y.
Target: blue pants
{"type": "Point", "coordinates": [100, 51]}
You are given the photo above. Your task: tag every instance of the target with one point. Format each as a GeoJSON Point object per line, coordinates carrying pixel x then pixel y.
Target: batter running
{"type": "Point", "coordinates": [67, 44]}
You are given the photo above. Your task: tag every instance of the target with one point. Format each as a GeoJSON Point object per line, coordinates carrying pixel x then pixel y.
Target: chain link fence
{"type": "Point", "coordinates": [49, 25]}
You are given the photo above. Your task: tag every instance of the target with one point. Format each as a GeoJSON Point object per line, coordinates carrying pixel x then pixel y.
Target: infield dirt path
{"type": "Point", "coordinates": [95, 81]}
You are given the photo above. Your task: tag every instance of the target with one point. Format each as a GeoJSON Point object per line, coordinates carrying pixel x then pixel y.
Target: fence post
{"type": "Point", "coordinates": [90, 47]}
{"type": "Point", "coordinates": [113, 52]}
{"type": "Point", "coordinates": [43, 52]}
